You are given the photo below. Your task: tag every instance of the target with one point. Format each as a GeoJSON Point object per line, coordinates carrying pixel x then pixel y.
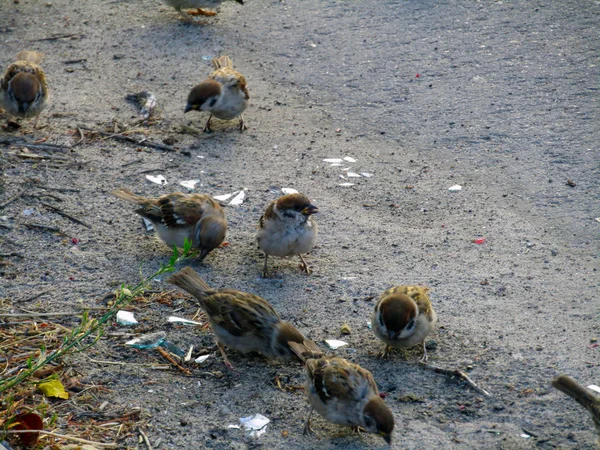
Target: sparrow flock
{"type": "Point", "coordinates": [340, 391]}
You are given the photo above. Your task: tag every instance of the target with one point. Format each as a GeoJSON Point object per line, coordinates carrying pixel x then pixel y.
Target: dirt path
{"type": "Point", "coordinates": [498, 97]}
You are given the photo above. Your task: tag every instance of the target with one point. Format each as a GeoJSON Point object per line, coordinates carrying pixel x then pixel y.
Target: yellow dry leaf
{"type": "Point", "coordinates": [53, 388]}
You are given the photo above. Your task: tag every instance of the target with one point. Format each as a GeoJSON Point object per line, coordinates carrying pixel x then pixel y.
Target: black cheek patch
{"type": "Point", "coordinates": [212, 102]}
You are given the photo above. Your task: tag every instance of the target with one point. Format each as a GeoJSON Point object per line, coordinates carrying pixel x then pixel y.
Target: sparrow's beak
{"type": "Point", "coordinates": [241, 2]}
{"type": "Point", "coordinates": [188, 108]}
{"type": "Point", "coordinates": [387, 437]}
{"type": "Point", "coordinates": [310, 209]}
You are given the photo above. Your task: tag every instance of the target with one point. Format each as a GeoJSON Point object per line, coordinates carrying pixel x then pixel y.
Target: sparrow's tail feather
{"type": "Point", "coordinates": [307, 350]}
{"type": "Point", "coordinates": [222, 61]}
{"type": "Point", "coordinates": [188, 280]}
{"type": "Point", "coordinates": [574, 390]}
{"type": "Point", "coordinates": [30, 56]}
{"type": "Point", "coordinates": [129, 196]}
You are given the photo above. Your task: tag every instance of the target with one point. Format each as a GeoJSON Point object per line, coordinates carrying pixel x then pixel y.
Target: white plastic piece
{"type": "Point", "coordinates": [349, 159]}
{"type": "Point", "coordinates": [455, 188]}
{"type": "Point", "coordinates": [366, 174]}
{"type": "Point", "coordinates": [126, 318]}
{"type": "Point", "coordinates": [289, 191]}
{"type": "Point", "coordinates": [189, 183]}
{"type": "Point", "coordinates": [182, 321]}
{"type": "Point", "coordinates": [334, 344]}
{"type": "Point", "coordinates": [224, 197]}
{"type": "Point", "coordinates": [333, 160]}
{"type": "Point", "coordinates": [346, 184]}
{"type": "Point", "coordinates": [201, 359]}
{"type": "Point", "coordinates": [256, 424]}
{"type": "Point", "coordinates": [238, 199]}
{"type": "Point", "coordinates": [593, 387]}
{"type": "Point", "coordinates": [158, 179]}
{"type": "Point", "coordinates": [352, 175]}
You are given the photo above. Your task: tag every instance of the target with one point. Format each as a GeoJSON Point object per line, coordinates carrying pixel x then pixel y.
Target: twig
{"type": "Point", "coordinates": [8, 255]}
{"type": "Point", "coordinates": [172, 361]}
{"type": "Point", "coordinates": [75, 61]}
{"type": "Point", "coordinates": [124, 363]}
{"type": "Point", "coordinates": [460, 374]}
{"type": "Point", "coordinates": [33, 297]}
{"type": "Point", "coordinates": [81, 138]}
{"type": "Point", "coordinates": [24, 143]}
{"type": "Point", "coordinates": [38, 157]}
{"type": "Point", "coordinates": [120, 137]}
{"type": "Point", "coordinates": [64, 436]}
{"type": "Point", "coordinates": [130, 163]}
{"type": "Point", "coordinates": [35, 314]}
{"type": "Point", "coordinates": [48, 188]}
{"type": "Point", "coordinates": [43, 227]}
{"type": "Point", "coordinates": [12, 199]}
{"type": "Point", "coordinates": [146, 441]}
{"type": "Point", "coordinates": [64, 214]}
{"type": "Point", "coordinates": [56, 37]}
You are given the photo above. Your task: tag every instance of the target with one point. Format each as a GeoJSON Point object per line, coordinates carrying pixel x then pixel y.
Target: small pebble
{"type": "Point", "coordinates": [224, 411]}
{"type": "Point", "coordinates": [431, 345]}
{"type": "Point", "coordinates": [345, 329]}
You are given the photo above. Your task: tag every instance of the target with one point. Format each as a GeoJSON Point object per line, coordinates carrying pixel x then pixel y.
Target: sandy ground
{"type": "Point", "coordinates": [500, 97]}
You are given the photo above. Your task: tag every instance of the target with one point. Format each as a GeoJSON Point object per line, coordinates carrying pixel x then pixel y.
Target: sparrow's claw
{"type": "Point", "coordinates": [207, 128]}
{"type": "Point", "coordinates": [304, 266]}
{"type": "Point", "coordinates": [424, 357]}
{"type": "Point", "coordinates": [307, 427]}
{"type": "Point", "coordinates": [225, 360]}
{"type": "Point", "coordinates": [242, 124]}
{"type": "Point", "coordinates": [201, 12]}
{"type": "Point", "coordinates": [386, 353]}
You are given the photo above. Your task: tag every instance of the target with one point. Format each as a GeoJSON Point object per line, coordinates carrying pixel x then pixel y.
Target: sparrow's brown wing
{"type": "Point", "coordinates": [269, 214]}
{"type": "Point", "coordinates": [337, 378]}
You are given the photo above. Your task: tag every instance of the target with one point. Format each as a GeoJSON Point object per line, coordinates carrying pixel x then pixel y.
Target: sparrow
{"type": "Point", "coordinates": [23, 88]}
{"type": "Point", "coordinates": [582, 396]}
{"type": "Point", "coordinates": [241, 321]}
{"type": "Point", "coordinates": [180, 216]}
{"type": "Point", "coordinates": [287, 228]}
{"type": "Point", "coordinates": [224, 94]}
{"type": "Point", "coordinates": [197, 5]}
{"type": "Point", "coordinates": [343, 393]}
{"type": "Point", "coordinates": [403, 317]}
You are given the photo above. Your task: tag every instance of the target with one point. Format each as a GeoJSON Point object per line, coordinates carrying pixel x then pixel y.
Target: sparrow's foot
{"type": "Point", "coordinates": [225, 359]}
{"type": "Point", "coordinates": [201, 12]}
{"type": "Point", "coordinates": [207, 128]}
{"type": "Point", "coordinates": [304, 266]}
{"type": "Point", "coordinates": [242, 124]}
{"type": "Point", "coordinates": [265, 272]}
{"type": "Point", "coordinates": [386, 353]}
{"type": "Point", "coordinates": [307, 427]}
{"type": "Point", "coordinates": [424, 357]}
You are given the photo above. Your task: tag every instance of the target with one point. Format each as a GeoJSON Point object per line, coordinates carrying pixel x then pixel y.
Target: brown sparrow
{"type": "Point", "coordinates": [180, 216]}
{"type": "Point", "coordinates": [344, 393]}
{"type": "Point", "coordinates": [286, 228]}
{"type": "Point", "coordinates": [241, 321]}
{"type": "Point", "coordinates": [23, 89]}
{"type": "Point", "coordinates": [197, 5]}
{"type": "Point", "coordinates": [403, 317]}
{"type": "Point", "coordinates": [582, 396]}
{"type": "Point", "coordinates": [223, 94]}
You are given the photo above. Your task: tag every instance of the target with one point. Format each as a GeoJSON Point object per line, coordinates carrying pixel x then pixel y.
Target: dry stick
{"type": "Point", "coordinates": [172, 361]}
{"type": "Point", "coordinates": [120, 137]}
{"type": "Point", "coordinates": [60, 36]}
{"type": "Point", "coordinates": [32, 146]}
{"type": "Point", "coordinates": [8, 255]}
{"type": "Point", "coordinates": [44, 228]}
{"type": "Point", "coordinates": [12, 199]}
{"type": "Point", "coordinates": [146, 441]}
{"type": "Point", "coordinates": [64, 436]}
{"type": "Point", "coordinates": [64, 214]}
{"type": "Point", "coordinates": [34, 314]}
{"type": "Point", "coordinates": [81, 136]}
{"type": "Point", "coordinates": [460, 374]}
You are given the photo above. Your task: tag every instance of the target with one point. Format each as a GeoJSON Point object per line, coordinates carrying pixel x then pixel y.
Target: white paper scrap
{"type": "Point", "coordinates": [224, 197]}
{"type": "Point", "coordinates": [366, 174]}
{"type": "Point", "coordinates": [335, 165]}
{"type": "Point", "coordinates": [126, 318]}
{"type": "Point", "coordinates": [238, 199]}
{"type": "Point", "coordinates": [456, 187]}
{"type": "Point", "coordinates": [158, 179]}
{"type": "Point", "coordinates": [333, 160]}
{"type": "Point", "coordinates": [352, 175]}
{"type": "Point", "coordinates": [182, 321]}
{"type": "Point", "coordinates": [189, 183]}
{"type": "Point", "coordinates": [334, 344]}
{"type": "Point", "coordinates": [349, 159]}
{"type": "Point", "coordinates": [201, 359]}
{"type": "Point", "coordinates": [346, 184]}
{"type": "Point", "coordinates": [289, 191]}
{"type": "Point", "coordinates": [149, 225]}
{"type": "Point", "coordinates": [593, 387]}
{"type": "Point", "coordinates": [256, 424]}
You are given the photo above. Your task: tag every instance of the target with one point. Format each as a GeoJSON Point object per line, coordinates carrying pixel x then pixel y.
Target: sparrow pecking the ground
{"type": "Point", "coordinates": [224, 94]}
{"type": "Point", "coordinates": [197, 7]}
{"type": "Point", "coordinates": [23, 88]}
{"type": "Point", "coordinates": [287, 228]}
{"type": "Point", "coordinates": [344, 393]}
{"type": "Point", "coordinates": [582, 396]}
{"type": "Point", "coordinates": [180, 216]}
{"type": "Point", "coordinates": [404, 317]}
{"type": "Point", "coordinates": [241, 321]}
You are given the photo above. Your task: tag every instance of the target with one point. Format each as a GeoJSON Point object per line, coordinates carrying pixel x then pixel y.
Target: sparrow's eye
{"type": "Point", "coordinates": [369, 422]}
{"type": "Point", "coordinates": [410, 324]}
{"type": "Point", "coordinates": [212, 102]}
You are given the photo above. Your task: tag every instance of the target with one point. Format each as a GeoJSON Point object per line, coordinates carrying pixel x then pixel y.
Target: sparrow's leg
{"type": "Point", "coordinates": [307, 428]}
{"type": "Point", "coordinates": [36, 120]}
{"type": "Point", "coordinates": [386, 353]}
{"type": "Point", "coordinates": [242, 124]}
{"type": "Point", "coordinates": [424, 358]}
{"type": "Point", "coordinates": [265, 271]}
{"type": "Point", "coordinates": [207, 128]}
{"type": "Point", "coordinates": [201, 12]}
{"type": "Point", "coordinates": [224, 355]}
{"type": "Point", "coordinates": [186, 17]}
{"type": "Point", "coordinates": [304, 266]}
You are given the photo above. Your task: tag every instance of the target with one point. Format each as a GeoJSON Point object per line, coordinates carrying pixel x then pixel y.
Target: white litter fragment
{"type": "Point", "coordinates": [525, 435]}
{"type": "Point", "coordinates": [593, 387]}
{"type": "Point", "coordinates": [346, 168]}
{"type": "Point", "coordinates": [182, 321]}
{"type": "Point", "coordinates": [256, 424]}
{"type": "Point", "coordinates": [289, 191]}
{"type": "Point", "coordinates": [189, 183]}
{"type": "Point", "coordinates": [334, 344]}
{"type": "Point", "coordinates": [224, 197]}
{"type": "Point", "coordinates": [335, 165]}
{"type": "Point", "coordinates": [29, 212]}
{"type": "Point", "coordinates": [352, 175]}
{"type": "Point", "coordinates": [188, 355]}
{"type": "Point", "coordinates": [346, 184]}
{"type": "Point", "coordinates": [235, 427]}
{"type": "Point", "coordinates": [369, 326]}
{"type": "Point", "coordinates": [201, 359]}
{"type": "Point", "coordinates": [201, 156]}
{"type": "Point", "coordinates": [333, 160]}
{"type": "Point", "coordinates": [149, 226]}
{"type": "Point", "coordinates": [126, 318]}
{"type": "Point", "coordinates": [349, 159]}
{"type": "Point", "coordinates": [366, 174]}
{"type": "Point", "coordinates": [158, 179]}
{"type": "Point", "coordinates": [238, 199]}
{"type": "Point", "coordinates": [456, 187]}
